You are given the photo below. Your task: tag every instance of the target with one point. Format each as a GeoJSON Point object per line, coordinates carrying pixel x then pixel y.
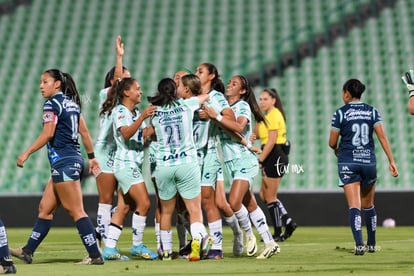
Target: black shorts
{"type": "Point", "coordinates": [275, 165]}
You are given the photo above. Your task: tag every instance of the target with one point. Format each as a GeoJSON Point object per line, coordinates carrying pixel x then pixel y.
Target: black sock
{"type": "Point", "coordinates": [275, 217]}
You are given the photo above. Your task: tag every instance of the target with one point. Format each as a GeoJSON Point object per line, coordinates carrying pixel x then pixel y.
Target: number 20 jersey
{"type": "Point", "coordinates": [355, 122]}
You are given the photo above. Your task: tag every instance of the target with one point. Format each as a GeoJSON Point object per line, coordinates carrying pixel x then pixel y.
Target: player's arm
{"type": "Point", "coordinates": [88, 144]}
{"type": "Point", "coordinates": [272, 135]}
{"type": "Point", "coordinates": [411, 105]}
{"type": "Point", "coordinates": [128, 131]}
{"type": "Point", "coordinates": [333, 140]}
{"type": "Point", "coordinates": [408, 79]}
{"type": "Point", "coordinates": [226, 119]}
{"type": "Point", "coordinates": [119, 54]}
{"type": "Point", "coordinates": [86, 137]}
{"type": "Point", "coordinates": [44, 137]}
{"type": "Point", "coordinates": [382, 137]}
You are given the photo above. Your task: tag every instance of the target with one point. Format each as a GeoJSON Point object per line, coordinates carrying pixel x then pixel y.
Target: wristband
{"type": "Point", "coordinates": [411, 94]}
{"type": "Point", "coordinates": [249, 145]}
{"type": "Point", "coordinates": [91, 155]}
{"type": "Point", "coordinates": [219, 118]}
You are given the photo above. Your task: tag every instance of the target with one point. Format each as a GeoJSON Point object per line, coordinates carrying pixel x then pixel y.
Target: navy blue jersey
{"type": "Point", "coordinates": [65, 113]}
{"type": "Point", "coordinates": [355, 122]}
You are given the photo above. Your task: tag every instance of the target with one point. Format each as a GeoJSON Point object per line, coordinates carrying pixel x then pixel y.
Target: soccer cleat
{"type": "Point", "coordinates": [251, 245]}
{"type": "Point", "coordinates": [215, 254]}
{"type": "Point", "coordinates": [359, 250]}
{"type": "Point", "coordinates": [166, 256]}
{"type": "Point", "coordinates": [195, 250]}
{"type": "Point", "coordinates": [23, 254]}
{"type": "Point", "coordinates": [280, 238]}
{"type": "Point", "coordinates": [185, 251]}
{"type": "Point", "coordinates": [143, 252]}
{"type": "Point", "coordinates": [290, 228]}
{"type": "Point", "coordinates": [206, 244]}
{"type": "Point", "coordinates": [238, 244]}
{"type": "Point", "coordinates": [8, 269]}
{"type": "Point", "coordinates": [371, 248]}
{"type": "Point", "coordinates": [112, 254]}
{"type": "Point", "coordinates": [270, 249]}
{"type": "Point", "coordinates": [91, 261]}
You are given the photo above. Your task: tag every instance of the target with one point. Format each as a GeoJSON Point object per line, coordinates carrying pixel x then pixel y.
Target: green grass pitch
{"type": "Point", "coordinates": [310, 251]}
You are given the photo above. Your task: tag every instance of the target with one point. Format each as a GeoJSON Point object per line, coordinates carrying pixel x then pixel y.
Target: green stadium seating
{"type": "Point", "coordinates": [161, 36]}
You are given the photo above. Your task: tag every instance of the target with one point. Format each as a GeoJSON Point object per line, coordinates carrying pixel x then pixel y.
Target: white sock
{"type": "Point", "coordinates": [157, 233]}
{"type": "Point", "coordinates": [198, 231]}
{"type": "Point", "coordinates": [259, 221]}
{"type": "Point", "coordinates": [242, 216]}
{"type": "Point", "coordinates": [138, 227]}
{"type": "Point", "coordinates": [233, 223]}
{"type": "Point", "coordinates": [216, 231]}
{"type": "Point", "coordinates": [103, 219]}
{"type": "Point", "coordinates": [166, 239]}
{"type": "Point", "coordinates": [114, 232]}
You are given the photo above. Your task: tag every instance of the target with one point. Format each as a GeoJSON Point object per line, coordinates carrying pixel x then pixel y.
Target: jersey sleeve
{"type": "Point", "coordinates": [218, 102]}
{"type": "Point", "coordinates": [192, 103]}
{"type": "Point", "coordinates": [244, 111]}
{"type": "Point", "coordinates": [50, 112]}
{"type": "Point", "coordinates": [336, 120]}
{"type": "Point", "coordinates": [120, 117]}
{"type": "Point", "coordinates": [376, 116]}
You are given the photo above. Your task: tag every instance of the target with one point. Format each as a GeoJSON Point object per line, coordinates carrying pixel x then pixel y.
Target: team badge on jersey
{"type": "Point", "coordinates": [48, 117]}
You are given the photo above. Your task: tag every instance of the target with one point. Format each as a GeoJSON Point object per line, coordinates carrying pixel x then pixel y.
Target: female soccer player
{"type": "Point", "coordinates": [272, 134]}
{"type": "Point", "coordinates": [177, 170]}
{"type": "Point", "coordinates": [241, 164]}
{"type": "Point", "coordinates": [207, 132]}
{"type": "Point", "coordinates": [355, 122]}
{"type": "Point", "coordinates": [62, 122]}
{"type": "Point", "coordinates": [129, 134]}
{"type": "Point", "coordinates": [105, 148]}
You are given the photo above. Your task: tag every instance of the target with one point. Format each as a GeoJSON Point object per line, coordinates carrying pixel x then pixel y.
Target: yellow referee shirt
{"type": "Point", "coordinates": [275, 121]}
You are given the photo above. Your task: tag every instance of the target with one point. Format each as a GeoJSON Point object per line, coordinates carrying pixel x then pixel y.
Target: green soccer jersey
{"type": "Point", "coordinates": [218, 102]}
{"type": "Point", "coordinates": [174, 129]}
{"type": "Point", "coordinates": [131, 150]}
{"type": "Point", "coordinates": [105, 139]}
{"type": "Point", "coordinates": [231, 148]}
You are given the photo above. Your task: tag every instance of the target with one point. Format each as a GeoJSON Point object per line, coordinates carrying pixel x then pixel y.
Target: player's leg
{"type": "Point", "coordinates": [167, 211]}
{"type": "Point", "coordinates": [6, 262]}
{"type": "Point", "coordinates": [370, 215]}
{"type": "Point", "coordinates": [352, 194]}
{"type": "Point", "coordinates": [208, 203]}
{"type": "Point", "coordinates": [47, 207]}
{"type": "Point", "coordinates": [259, 221]}
{"type": "Point", "coordinates": [110, 252]}
{"type": "Point", "coordinates": [106, 186]}
{"type": "Point", "coordinates": [270, 186]}
{"type": "Point", "coordinates": [188, 186]}
{"type": "Point", "coordinates": [139, 194]}
{"type": "Point", "coordinates": [70, 195]}
{"type": "Point", "coordinates": [229, 217]}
